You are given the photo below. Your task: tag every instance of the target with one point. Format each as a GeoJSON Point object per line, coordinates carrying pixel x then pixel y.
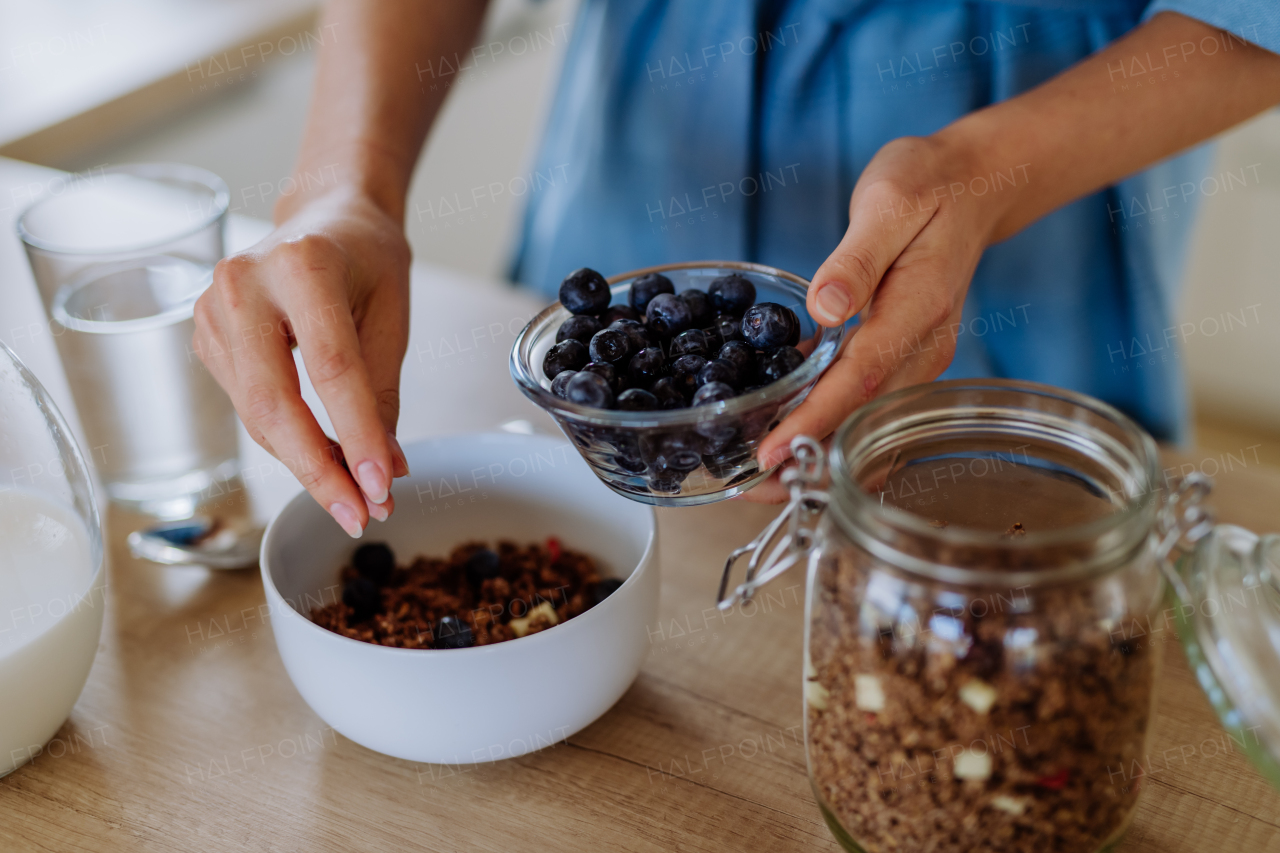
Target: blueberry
{"type": "Point", "coordinates": [727, 463]}
{"type": "Point", "coordinates": [699, 306]}
{"type": "Point", "coordinates": [585, 291]}
{"type": "Point", "coordinates": [589, 389]}
{"type": "Point", "coordinates": [648, 286]}
{"type": "Point", "coordinates": [629, 463]}
{"type": "Point", "coordinates": [646, 366]}
{"type": "Point", "coordinates": [794, 337]}
{"type": "Point", "coordinates": [580, 327]}
{"type": "Point", "coordinates": [619, 312]}
{"type": "Point", "coordinates": [668, 394]}
{"type": "Point", "coordinates": [609, 345]}
{"type": "Point", "coordinates": [727, 327]}
{"type": "Point", "coordinates": [732, 294]}
{"type": "Point", "coordinates": [604, 588]}
{"type": "Point", "coordinates": [637, 335]}
{"type": "Point", "coordinates": [718, 371]}
{"type": "Point", "coordinates": [757, 421]}
{"type": "Point", "coordinates": [566, 355]}
{"type": "Point", "coordinates": [561, 382]}
{"type": "Point", "coordinates": [690, 342]}
{"type": "Point", "coordinates": [768, 325]}
{"type": "Point", "coordinates": [780, 362]}
{"type": "Point", "coordinates": [666, 482]}
{"type": "Point", "coordinates": [741, 356]}
{"type": "Point", "coordinates": [684, 373]}
{"type": "Point", "coordinates": [715, 435]}
{"type": "Point", "coordinates": [712, 392]}
{"type": "Point", "coordinates": [605, 371]}
{"type": "Point", "coordinates": [637, 400]}
{"type": "Point", "coordinates": [668, 315]}
{"type": "Point", "coordinates": [673, 451]}
{"type": "Point", "coordinates": [481, 566]}
{"type": "Point", "coordinates": [374, 562]}
{"type": "Point", "coordinates": [363, 597]}
{"type": "Point", "coordinates": [453, 633]}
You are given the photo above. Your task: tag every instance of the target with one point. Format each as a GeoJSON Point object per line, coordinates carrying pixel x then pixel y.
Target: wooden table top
{"type": "Point", "coordinates": [189, 735]}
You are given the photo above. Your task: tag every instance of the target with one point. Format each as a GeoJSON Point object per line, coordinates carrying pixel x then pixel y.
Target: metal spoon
{"type": "Point", "coordinates": [199, 540]}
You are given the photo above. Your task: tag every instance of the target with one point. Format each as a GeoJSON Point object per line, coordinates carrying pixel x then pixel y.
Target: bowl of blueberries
{"type": "Point", "coordinates": [666, 378]}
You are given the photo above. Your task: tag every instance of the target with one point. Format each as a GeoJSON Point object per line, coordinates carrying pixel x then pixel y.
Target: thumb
{"type": "Point", "coordinates": [876, 235]}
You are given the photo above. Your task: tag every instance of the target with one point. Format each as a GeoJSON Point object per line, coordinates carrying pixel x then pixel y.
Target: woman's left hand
{"type": "Point", "coordinates": [915, 236]}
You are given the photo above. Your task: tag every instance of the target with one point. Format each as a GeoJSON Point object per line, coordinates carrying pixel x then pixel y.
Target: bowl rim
{"type": "Point", "coordinates": [810, 370]}
{"type": "Point", "coordinates": [648, 558]}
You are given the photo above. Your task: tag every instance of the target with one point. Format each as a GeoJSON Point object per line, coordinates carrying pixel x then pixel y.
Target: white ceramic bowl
{"type": "Point", "coordinates": [463, 706]}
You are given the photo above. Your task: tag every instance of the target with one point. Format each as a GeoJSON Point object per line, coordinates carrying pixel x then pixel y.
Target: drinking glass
{"type": "Point", "coordinates": [52, 583]}
{"type": "Point", "coordinates": [120, 257]}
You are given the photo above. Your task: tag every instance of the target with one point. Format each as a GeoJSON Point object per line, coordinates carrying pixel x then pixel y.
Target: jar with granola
{"type": "Point", "coordinates": [973, 680]}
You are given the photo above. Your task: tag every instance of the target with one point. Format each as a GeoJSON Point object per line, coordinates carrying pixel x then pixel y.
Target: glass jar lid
{"type": "Point", "coordinates": [1228, 619]}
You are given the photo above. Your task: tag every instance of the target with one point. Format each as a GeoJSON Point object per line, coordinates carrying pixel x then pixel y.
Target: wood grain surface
{"type": "Point", "coordinates": [189, 735]}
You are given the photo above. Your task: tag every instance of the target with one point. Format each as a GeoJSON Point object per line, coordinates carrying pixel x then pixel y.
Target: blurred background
{"type": "Point", "coordinates": [225, 84]}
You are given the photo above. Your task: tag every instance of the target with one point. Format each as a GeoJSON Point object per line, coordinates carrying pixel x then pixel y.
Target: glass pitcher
{"type": "Point", "coordinates": [52, 580]}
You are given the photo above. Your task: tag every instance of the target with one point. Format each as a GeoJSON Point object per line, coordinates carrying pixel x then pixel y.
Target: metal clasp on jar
{"type": "Point", "coordinates": [1183, 521]}
{"type": "Point", "coordinates": [788, 538]}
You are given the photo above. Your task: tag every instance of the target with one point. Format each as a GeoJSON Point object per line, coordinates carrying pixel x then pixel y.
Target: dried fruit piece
{"type": "Point", "coordinates": [1056, 781]}
{"type": "Point", "coordinates": [1012, 805]}
{"type": "Point", "coordinates": [868, 693]}
{"type": "Point", "coordinates": [541, 617]}
{"type": "Point", "coordinates": [815, 695]}
{"type": "Point", "coordinates": [978, 695]}
{"type": "Point", "coordinates": [973, 765]}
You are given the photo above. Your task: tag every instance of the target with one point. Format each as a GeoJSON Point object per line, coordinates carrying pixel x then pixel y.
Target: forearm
{"type": "Point", "coordinates": [370, 111]}
{"type": "Point", "coordinates": [1082, 131]}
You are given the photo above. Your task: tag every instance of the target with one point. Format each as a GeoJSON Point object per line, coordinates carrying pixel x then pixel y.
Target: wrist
{"type": "Point", "coordinates": [358, 169]}
{"type": "Point", "coordinates": [992, 174]}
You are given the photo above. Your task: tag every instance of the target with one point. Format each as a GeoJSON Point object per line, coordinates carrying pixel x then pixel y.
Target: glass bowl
{"type": "Point", "coordinates": [680, 457]}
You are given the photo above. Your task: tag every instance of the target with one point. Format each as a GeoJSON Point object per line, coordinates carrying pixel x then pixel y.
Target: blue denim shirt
{"type": "Point", "coordinates": [736, 129]}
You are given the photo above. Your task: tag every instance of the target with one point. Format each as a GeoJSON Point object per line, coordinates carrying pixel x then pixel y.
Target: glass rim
{"type": "Point", "coordinates": [523, 371]}
{"type": "Point", "coordinates": [160, 170]}
{"type": "Point", "coordinates": [1138, 512]}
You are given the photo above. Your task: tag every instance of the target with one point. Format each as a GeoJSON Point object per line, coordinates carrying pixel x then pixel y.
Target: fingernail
{"type": "Point", "coordinates": [372, 480]}
{"type": "Point", "coordinates": [398, 451]}
{"type": "Point", "coordinates": [377, 511]}
{"type": "Point", "coordinates": [832, 303]}
{"type": "Point", "coordinates": [346, 516]}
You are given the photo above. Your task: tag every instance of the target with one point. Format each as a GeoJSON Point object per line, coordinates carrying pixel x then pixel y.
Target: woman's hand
{"type": "Point", "coordinates": [916, 233]}
{"type": "Point", "coordinates": [332, 279]}
{"type": "Point", "coordinates": [917, 228]}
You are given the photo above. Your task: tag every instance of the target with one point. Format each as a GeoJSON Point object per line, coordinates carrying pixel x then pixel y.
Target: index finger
{"type": "Point", "coordinates": [322, 324]}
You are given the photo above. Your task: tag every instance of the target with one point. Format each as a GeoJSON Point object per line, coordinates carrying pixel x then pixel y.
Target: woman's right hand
{"type": "Point", "coordinates": [333, 280]}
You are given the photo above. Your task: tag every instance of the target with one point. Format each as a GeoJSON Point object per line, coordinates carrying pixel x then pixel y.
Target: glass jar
{"type": "Point", "coordinates": [972, 680]}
